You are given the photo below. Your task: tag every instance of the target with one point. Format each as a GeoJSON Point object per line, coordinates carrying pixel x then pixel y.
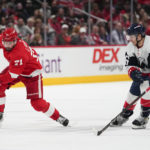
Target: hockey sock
{"type": "Point", "coordinates": [52, 112]}
{"type": "Point", "coordinates": [145, 106]}
{"type": "Point", "coordinates": [45, 107]}
{"type": "Point", "coordinates": [2, 103]}
{"type": "Point", "coordinates": [126, 105]}
{"type": "Point", "coordinates": [2, 108]}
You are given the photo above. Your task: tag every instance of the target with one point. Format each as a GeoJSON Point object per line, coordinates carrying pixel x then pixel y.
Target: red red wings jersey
{"type": "Point", "coordinates": [23, 60]}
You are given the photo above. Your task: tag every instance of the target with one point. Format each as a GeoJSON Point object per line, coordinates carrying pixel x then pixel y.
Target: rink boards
{"type": "Point", "coordinates": [83, 64]}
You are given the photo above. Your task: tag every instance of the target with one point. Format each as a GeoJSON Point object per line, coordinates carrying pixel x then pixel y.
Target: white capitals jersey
{"type": "Point", "coordinates": [138, 57]}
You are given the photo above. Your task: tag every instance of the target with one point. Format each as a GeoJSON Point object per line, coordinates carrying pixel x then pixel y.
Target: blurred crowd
{"type": "Point", "coordinates": [67, 24]}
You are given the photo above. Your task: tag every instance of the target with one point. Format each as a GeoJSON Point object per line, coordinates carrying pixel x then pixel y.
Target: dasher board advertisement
{"type": "Point", "coordinates": [80, 64]}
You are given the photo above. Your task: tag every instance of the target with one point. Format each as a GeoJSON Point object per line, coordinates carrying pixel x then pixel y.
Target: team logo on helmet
{"type": "Point", "coordinates": [135, 29]}
{"type": "Point", "coordinates": [9, 34]}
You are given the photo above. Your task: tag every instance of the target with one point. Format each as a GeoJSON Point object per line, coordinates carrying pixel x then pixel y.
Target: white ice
{"type": "Point", "coordinates": [88, 106]}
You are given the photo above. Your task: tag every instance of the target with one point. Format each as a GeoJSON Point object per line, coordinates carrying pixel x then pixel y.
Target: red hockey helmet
{"type": "Point", "coordinates": [9, 34]}
{"type": "Point", "coordinates": [9, 38]}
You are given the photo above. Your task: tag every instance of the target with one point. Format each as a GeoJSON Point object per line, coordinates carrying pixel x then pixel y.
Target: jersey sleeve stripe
{"type": "Point", "coordinates": [13, 75]}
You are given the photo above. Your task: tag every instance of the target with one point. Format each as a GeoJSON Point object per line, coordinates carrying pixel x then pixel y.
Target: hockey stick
{"type": "Point", "coordinates": [133, 102]}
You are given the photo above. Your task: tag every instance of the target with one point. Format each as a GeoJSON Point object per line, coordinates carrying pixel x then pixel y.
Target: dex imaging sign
{"type": "Point", "coordinates": [109, 59]}
{"type": "Point", "coordinates": [106, 55]}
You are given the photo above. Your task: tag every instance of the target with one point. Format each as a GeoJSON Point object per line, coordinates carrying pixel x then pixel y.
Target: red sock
{"type": "Point", "coordinates": [126, 105]}
{"type": "Point", "coordinates": [2, 107]}
{"type": "Point", "coordinates": [145, 103]}
{"type": "Point", "coordinates": [45, 107]}
{"type": "Point", "coordinates": [55, 115]}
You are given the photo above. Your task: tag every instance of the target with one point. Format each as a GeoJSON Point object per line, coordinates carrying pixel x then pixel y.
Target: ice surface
{"type": "Point", "coordinates": [87, 106]}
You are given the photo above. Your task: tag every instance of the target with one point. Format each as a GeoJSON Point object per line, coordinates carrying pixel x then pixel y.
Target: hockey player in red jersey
{"type": "Point", "coordinates": [24, 66]}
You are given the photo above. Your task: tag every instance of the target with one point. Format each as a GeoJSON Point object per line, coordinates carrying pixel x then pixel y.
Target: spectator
{"type": "Point", "coordinates": [54, 7]}
{"type": "Point", "coordinates": [75, 37]}
{"type": "Point", "coordinates": [95, 37]}
{"type": "Point", "coordinates": [51, 36]}
{"type": "Point", "coordinates": [80, 5]}
{"type": "Point", "coordinates": [2, 28]}
{"type": "Point", "coordinates": [82, 22]}
{"type": "Point", "coordinates": [106, 10]}
{"type": "Point", "coordinates": [38, 23]}
{"type": "Point", "coordinates": [37, 40]}
{"type": "Point", "coordinates": [38, 14]}
{"type": "Point", "coordinates": [55, 24]}
{"type": "Point", "coordinates": [29, 7]}
{"type": "Point", "coordinates": [21, 12]}
{"type": "Point", "coordinates": [3, 4]}
{"type": "Point", "coordinates": [48, 11]}
{"type": "Point", "coordinates": [30, 25]}
{"type": "Point", "coordinates": [118, 35]}
{"type": "Point", "coordinates": [145, 4]}
{"type": "Point", "coordinates": [96, 11]}
{"type": "Point", "coordinates": [71, 19]}
{"type": "Point", "coordinates": [63, 38]}
{"type": "Point", "coordinates": [79, 37]}
{"type": "Point", "coordinates": [2, 11]}
{"type": "Point", "coordinates": [3, 21]}
{"type": "Point", "coordinates": [104, 35]}
{"type": "Point", "coordinates": [22, 30]}
{"type": "Point", "coordinates": [83, 36]}
{"type": "Point", "coordinates": [10, 9]}
{"type": "Point", "coordinates": [37, 30]}
{"type": "Point", "coordinates": [61, 16]}
{"type": "Point", "coordinates": [12, 19]}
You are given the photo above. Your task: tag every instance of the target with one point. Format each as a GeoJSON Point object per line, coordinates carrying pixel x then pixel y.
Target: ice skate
{"type": "Point", "coordinates": [122, 118]}
{"type": "Point", "coordinates": [119, 121]}
{"type": "Point", "coordinates": [140, 122]}
{"type": "Point", "coordinates": [1, 116]}
{"type": "Point", "coordinates": [1, 119]}
{"type": "Point", "coordinates": [62, 120]}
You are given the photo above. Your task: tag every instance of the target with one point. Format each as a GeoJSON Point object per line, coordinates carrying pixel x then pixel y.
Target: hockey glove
{"type": "Point", "coordinates": [136, 76]}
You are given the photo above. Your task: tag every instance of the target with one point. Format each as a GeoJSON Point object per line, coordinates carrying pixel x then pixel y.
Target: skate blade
{"type": "Point", "coordinates": [113, 125]}
{"type": "Point", "coordinates": [138, 127]}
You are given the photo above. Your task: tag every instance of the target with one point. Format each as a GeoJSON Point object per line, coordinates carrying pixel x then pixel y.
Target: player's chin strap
{"type": "Point", "coordinates": [138, 41]}
{"type": "Point", "coordinates": [133, 102]}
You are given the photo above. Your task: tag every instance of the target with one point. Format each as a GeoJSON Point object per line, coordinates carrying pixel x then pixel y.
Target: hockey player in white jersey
{"type": "Point", "coordinates": [138, 67]}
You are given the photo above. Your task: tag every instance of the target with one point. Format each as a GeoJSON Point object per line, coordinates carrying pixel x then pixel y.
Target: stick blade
{"type": "Point", "coordinates": [99, 133]}
{"type": "Point", "coordinates": [96, 132]}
